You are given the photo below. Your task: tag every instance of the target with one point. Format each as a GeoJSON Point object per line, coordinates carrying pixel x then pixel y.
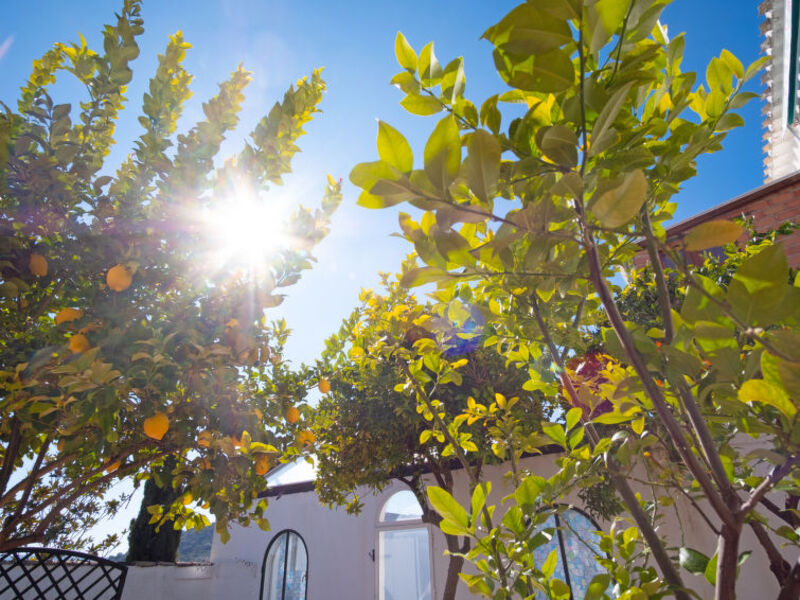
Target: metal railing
{"type": "Point", "coordinates": [50, 574]}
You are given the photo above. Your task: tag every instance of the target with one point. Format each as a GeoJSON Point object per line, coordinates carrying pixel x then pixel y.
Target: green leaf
{"type": "Point", "coordinates": [733, 63]}
{"type": "Point", "coordinates": [763, 392]}
{"type": "Point", "coordinates": [447, 506]}
{"type": "Point", "coordinates": [560, 144]}
{"type": "Point", "coordinates": [483, 164]}
{"type": "Point", "coordinates": [556, 433]}
{"type": "Point", "coordinates": [719, 76]}
{"type": "Point", "coordinates": [607, 115]}
{"type": "Point", "coordinates": [479, 500]}
{"type": "Point", "coordinates": [430, 71]}
{"type": "Point", "coordinates": [423, 106]}
{"type": "Point", "coordinates": [526, 30]}
{"type": "Point", "coordinates": [597, 587]}
{"type": "Point", "coordinates": [422, 275]}
{"type": "Point", "coordinates": [605, 17]}
{"type": "Point", "coordinates": [552, 72]}
{"type": "Point", "coordinates": [711, 570]}
{"type": "Point", "coordinates": [443, 153]}
{"type": "Point", "coordinates": [759, 286]}
{"type": "Point", "coordinates": [394, 149]}
{"type": "Point", "coordinates": [711, 234]}
{"type": "Point", "coordinates": [693, 561]}
{"type": "Point", "coordinates": [528, 491]}
{"type": "Point", "coordinates": [549, 565]}
{"type": "Point", "coordinates": [573, 416]}
{"type": "Point", "coordinates": [406, 57]}
{"type": "Point", "coordinates": [563, 9]}
{"type": "Point", "coordinates": [619, 205]}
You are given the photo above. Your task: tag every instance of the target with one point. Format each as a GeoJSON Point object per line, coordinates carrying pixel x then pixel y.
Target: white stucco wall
{"type": "Point", "coordinates": [339, 545]}
{"type": "Point", "coordinates": [169, 582]}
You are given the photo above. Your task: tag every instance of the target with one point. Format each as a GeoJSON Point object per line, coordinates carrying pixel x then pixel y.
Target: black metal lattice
{"type": "Point", "coordinates": [48, 573]}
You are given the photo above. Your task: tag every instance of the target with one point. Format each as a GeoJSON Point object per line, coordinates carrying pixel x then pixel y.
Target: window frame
{"type": "Point", "coordinates": [276, 537]}
{"type": "Point", "coordinates": [418, 523]}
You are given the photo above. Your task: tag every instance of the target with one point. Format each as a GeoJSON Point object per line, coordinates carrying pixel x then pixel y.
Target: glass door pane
{"type": "Point", "coordinates": [273, 569]}
{"type": "Point", "coordinates": [296, 569]}
{"type": "Point", "coordinates": [404, 567]}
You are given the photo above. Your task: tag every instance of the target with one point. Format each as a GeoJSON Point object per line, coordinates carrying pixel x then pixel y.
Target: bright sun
{"type": "Point", "coordinates": [245, 230]}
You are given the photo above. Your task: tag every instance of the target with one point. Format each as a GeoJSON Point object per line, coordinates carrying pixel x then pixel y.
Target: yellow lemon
{"type": "Point", "coordinates": [292, 415]}
{"type": "Point", "coordinates": [324, 386]}
{"type": "Point", "coordinates": [38, 264]}
{"type": "Point", "coordinates": [68, 314]}
{"type": "Point", "coordinates": [119, 278]}
{"type": "Point", "coordinates": [262, 464]}
{"type": "Point", "coordinates": [156, 427]}
{"type": "Point", "coordinates": [79, 343]}
{"type": "Point", "coordinates": [305, 438]}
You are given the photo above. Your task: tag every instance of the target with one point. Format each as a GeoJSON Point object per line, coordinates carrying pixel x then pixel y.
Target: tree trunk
{"type": "Point", "coordinates": [727, 563]}
{"type": "Point", "coordinates": [144, 542]}
{"type": "Point", "coordinates": [454, 566]}
{"type": "Point", "coordinates": [791, 589]}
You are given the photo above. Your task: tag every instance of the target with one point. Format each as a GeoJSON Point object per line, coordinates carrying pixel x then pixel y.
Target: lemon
{"type": "Point", "coordinates": [68, 314]}
{"type": "Point", "coordinates": [324, 386]}
{"type": "Point", "coordinates": [292, 415]}
{"type": "Point", "coordinates": [262, 464]}
{"type": "Point", "coordinates": [119, 278]}
{"type": "Point", "coordinates": [305, 438]}
{"type": "Point", "coordinates": [37, 264]}
{"type": "Point", "coordinates": [156, 427]}
{"type": "Point", "coordinates": [79, 343]}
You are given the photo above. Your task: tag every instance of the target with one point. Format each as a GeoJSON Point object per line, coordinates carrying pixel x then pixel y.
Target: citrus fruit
{"type": "Point", "coordinates": [38, 264]}
{"type": "Point", "coordinates": [119, 278]}
{"type": "Point", "coordinates": [262, 464]}
{"type": "Point", "coordinates": [79, 343]}
{"type": "Point", "coordinates": [187, 498]}
{"type": "Point", "coordinates": [66, 315]}
{"type": "Point", "coordinates": [305, 438]}
{"type": "Point", "coordinates": [324, 386]}
{"type": "Point", "coordinates": [156, 426]}
{"type": "Point", "coordinates": [292, 415]}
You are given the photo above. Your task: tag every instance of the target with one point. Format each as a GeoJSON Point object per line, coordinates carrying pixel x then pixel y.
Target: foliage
{"type": "Point", "coordinates": [527, 213]}
{"type": "Point", "coordinates": [369, 430]}
{"type": "Point", "coordinates": [110, 312]}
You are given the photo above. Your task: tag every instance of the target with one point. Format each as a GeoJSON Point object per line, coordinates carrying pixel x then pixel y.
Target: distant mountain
{"type": "Point", "coordinates": [195, 545]}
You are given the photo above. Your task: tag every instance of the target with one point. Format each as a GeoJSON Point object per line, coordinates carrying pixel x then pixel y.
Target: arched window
{"type": "Point", "coordinates": [576, 543]}
{"type": "Point", "coordinates": [284, 574]}
{"type": "Point", "coordinates": [404, 557]}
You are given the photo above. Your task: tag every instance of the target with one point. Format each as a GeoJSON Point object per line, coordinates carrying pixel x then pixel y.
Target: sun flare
{"type": "Point", "coordinates": [245, 231]}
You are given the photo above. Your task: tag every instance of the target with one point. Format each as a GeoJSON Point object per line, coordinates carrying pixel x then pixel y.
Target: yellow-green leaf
{"type": "Point", "coordinates": [763, 392]}
{"type": "Point", "coordinates": [711, 234]}
{"type": "Point", "coordinates": [405, 54]}
{"type": "Point", "coordinates": [619, 205]}
{"type": "Point", "coordinates": [394, 149]}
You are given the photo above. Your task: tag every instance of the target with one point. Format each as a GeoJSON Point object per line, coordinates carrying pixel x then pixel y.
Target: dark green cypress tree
{"type": "Point", "coordinates": [144, 542]}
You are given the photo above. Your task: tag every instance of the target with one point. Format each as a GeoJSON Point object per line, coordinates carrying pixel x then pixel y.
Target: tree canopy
{"type": "Point", "coordinates": [529, 202]}
{"type": "Point", "coordinates": [123, 338]}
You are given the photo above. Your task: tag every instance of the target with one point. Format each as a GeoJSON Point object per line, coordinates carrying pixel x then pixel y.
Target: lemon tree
{"type": "Point", "coordinates": [369, 428]}
{"type": "Point", "coordinates": [526, 203]}
{"type": "Point", "coordinates": [119, 346]}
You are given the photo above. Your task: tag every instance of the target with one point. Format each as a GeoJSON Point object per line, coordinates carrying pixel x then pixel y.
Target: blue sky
{"type": "Point", "coordinates": [280, 40]}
